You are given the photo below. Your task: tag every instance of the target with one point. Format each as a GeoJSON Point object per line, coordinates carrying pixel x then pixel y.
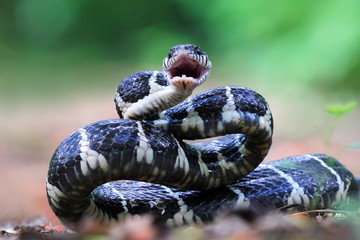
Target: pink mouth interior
{"type": "Point", "coordinates": [188, 67]}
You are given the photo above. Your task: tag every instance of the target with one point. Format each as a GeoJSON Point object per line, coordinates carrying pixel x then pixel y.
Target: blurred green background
{"type": "Point", "coordinates": [61, 61]}
{"type": "Point", "coordinates": [48, 47]}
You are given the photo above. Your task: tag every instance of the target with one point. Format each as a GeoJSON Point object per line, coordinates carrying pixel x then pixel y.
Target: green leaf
{"type": "Point", "coordinates": [354, 145]}
{"type": "Point", "coordinates": [339, 109]}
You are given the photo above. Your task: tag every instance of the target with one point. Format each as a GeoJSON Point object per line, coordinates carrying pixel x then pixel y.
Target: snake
{"type": "Point", "coordinates": [145, 161]}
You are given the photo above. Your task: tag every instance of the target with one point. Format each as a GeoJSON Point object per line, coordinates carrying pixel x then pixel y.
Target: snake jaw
{"type": "Point", "coordinates": [187, 67]}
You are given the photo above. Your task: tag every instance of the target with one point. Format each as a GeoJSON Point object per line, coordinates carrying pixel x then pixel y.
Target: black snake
{"type": "Point", "coordinates": [113, 169]}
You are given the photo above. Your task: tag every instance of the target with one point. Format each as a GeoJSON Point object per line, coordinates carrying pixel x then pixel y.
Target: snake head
{"type": "Point", "coordinates": [186, 66]}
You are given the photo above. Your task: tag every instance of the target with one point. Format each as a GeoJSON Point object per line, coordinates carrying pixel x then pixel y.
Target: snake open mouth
{"type": "Point", "coordinates": [187, 67]}
{"type": "Point", "coordinates": [187, 73]}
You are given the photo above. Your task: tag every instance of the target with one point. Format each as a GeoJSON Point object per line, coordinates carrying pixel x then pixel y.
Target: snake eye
{"type": "Point", "coordinates": [198, 51]}
{"type": "Point", "coordinates": [170, 54]}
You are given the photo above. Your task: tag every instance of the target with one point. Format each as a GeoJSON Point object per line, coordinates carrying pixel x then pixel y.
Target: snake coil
{"type": "Point", "coordinates": [140, 164]}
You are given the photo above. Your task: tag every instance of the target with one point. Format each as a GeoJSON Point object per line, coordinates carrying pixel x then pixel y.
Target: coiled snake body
{"type": "Point", "coordinates": [139, 163]}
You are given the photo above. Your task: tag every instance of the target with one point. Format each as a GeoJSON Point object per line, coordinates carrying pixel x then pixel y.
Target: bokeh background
{"type": "Point", "coordinates": [61, 61]}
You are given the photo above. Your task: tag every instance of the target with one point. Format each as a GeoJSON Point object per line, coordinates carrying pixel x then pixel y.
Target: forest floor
{"type": "Point", "coordinates": [242, 224]}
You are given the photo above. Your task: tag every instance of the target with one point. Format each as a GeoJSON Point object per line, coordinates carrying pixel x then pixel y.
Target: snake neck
{"type": "Point", "coordinates": [156, 102]}
{"type": "Point", "coordinates": [156, 95]}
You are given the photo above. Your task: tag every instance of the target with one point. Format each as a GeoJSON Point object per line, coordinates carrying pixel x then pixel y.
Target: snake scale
{"type": "Point", "coordinates": [140, 163]}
